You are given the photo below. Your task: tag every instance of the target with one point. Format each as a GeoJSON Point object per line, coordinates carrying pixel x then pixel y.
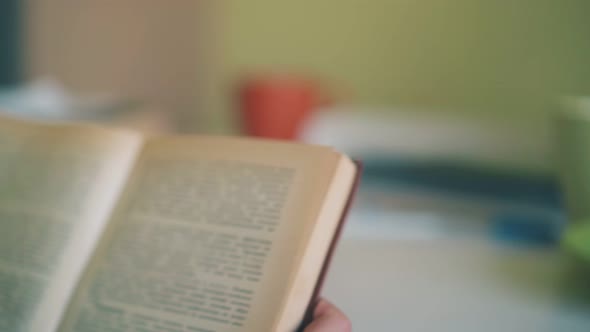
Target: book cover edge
{"type": "Point", "coordinates": [308, 317]}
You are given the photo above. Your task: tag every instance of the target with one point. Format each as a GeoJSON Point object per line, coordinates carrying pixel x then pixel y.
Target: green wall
{"type": "Point", "coordinates": [503, 56]}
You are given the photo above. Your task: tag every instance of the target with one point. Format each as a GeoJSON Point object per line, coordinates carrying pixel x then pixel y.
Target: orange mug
{"type": "Point", "coordinates": [277, 107]}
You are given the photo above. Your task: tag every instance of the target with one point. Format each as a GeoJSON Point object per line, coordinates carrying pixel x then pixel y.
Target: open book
{"type": "Point", "coordinates": [109, 230]}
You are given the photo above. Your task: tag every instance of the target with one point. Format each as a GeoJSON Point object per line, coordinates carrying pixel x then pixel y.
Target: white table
{"type": "Point", "coordinates": [386, 282]}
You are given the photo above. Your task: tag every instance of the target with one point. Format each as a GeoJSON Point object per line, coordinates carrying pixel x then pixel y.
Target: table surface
{"type": "Point", "coordinates": [387, 282]}
{"type": "Point", "coordinates": [395, 273]}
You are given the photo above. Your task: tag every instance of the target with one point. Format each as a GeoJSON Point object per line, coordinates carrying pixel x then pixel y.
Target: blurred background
{"type": "Point", "coordinates": [475, 58]}
{"type": "Point", "coordinates": [451, 105]}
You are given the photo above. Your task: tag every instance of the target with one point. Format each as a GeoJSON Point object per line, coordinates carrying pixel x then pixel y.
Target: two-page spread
{"type": "Point", "coordinates": [108, 230]}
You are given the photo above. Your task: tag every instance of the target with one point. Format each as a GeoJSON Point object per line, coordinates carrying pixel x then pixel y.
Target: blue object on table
{"type": "Point", "coordinates": [529, 206]}
{"type": "Point", "coordinates": [531, 229]}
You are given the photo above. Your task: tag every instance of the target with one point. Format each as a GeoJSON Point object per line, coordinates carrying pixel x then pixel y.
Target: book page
{"type": "Point", "coordinates": [207, 237]}
{"type": "Point", "coordinates": [58, 184]}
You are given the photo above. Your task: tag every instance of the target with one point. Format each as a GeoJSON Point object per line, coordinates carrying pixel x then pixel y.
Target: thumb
{"type": "Point", "coordinates": [327, 318]}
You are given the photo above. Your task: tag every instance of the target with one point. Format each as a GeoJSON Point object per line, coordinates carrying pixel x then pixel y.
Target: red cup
{"type": "Point", "coordinates": [277, 107]}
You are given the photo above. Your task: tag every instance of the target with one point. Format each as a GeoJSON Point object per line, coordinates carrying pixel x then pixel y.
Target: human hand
{"type": "Point", "coordinates": [328, 318]}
